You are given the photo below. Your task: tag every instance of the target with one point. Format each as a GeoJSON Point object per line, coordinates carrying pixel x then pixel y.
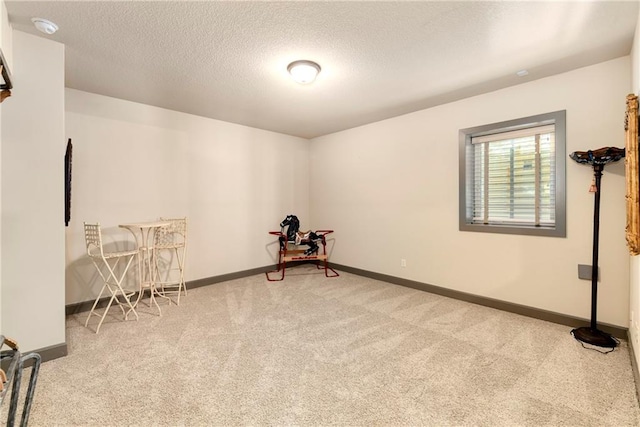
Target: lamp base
{"type": "Point", "coordinates": [594, 337]}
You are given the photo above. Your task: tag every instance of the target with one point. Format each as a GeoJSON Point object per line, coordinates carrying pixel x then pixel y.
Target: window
{"type": "Point", "coordinates": [512, 176]}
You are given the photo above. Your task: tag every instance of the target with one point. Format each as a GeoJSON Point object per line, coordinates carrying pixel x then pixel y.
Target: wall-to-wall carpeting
{"type": "Point", "coordinates": [341, 351]}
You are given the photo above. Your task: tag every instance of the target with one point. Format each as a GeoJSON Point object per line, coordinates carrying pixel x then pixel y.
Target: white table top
{"type": "Point", "coordinates": [148, 224]}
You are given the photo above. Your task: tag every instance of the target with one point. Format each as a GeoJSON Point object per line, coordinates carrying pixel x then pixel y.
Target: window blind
{"type": "Point", "coordinates": [512, 180]}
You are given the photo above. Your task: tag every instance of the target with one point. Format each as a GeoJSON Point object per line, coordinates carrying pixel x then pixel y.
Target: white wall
{"type": "Point", "coordinates": [32, 195]}
{"type": "Point", "coordinates": [133, 162]}
{"type": "Point", "coordinates": [6, 46]}
{"type": "Point", "coordinates": [634, 296]}
{"type": "Point", "coordinates": [5, 28]}
{"type": "Point", "coordinates": [6, 34]}
{"type": "Point", "coordinates": [390, 190]}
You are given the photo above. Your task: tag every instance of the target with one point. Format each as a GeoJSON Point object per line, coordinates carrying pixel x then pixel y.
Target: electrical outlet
{"type": "Point", "coordinates": [403, 262]}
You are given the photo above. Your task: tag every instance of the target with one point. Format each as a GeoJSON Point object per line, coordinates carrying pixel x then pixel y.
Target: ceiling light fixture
{"type": "Point", "coordinates": [522, 73]}
{"type": "Point", "coordinates": [44, 25]}
{"type": "Point", "coordinates": [303, 72]}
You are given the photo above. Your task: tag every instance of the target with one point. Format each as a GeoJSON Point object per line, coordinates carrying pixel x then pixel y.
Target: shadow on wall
{"type": "Point", "coordinates": [272, 249]}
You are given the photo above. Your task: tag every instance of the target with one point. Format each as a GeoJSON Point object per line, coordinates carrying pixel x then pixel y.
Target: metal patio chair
{"type": "Point", "coordinates": [107, 265]}
{"type": "Point", "coordinates": [170, 246]}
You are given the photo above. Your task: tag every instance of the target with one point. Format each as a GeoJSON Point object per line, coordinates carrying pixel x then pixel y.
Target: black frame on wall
{"type": "Point", "coordinates": [67, 183]}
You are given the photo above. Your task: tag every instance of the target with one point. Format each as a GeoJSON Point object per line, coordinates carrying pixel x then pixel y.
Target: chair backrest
{"type": "Point", "coordinates": [172, 235]}
{"type": "Point", "coordinates": [93, 239]}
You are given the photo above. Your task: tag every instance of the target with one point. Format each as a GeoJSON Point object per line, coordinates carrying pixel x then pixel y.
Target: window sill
{"type": "Point", "coordinates": [525, 230]}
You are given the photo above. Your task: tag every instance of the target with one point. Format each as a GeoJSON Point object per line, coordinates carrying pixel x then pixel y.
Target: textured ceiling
{"type": "Point", "coordinates": [228, 60]}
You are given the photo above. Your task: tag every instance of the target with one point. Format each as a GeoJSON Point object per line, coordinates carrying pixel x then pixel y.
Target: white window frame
{"type": "Point", "coordinates": [467, 223]}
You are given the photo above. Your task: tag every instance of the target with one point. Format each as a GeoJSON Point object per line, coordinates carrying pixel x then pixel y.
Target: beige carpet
{"type": "Point", "coordinates": [346, 351]}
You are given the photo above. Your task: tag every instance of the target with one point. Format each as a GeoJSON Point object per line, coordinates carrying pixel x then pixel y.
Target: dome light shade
{"type": "Point", "coordinates": [303, 72]}
{"type": "Point", "coordinates": [44, 25]}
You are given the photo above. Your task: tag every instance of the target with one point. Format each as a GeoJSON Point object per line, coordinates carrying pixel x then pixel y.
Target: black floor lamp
{"type": "Point", "coordinates": [598, 159]}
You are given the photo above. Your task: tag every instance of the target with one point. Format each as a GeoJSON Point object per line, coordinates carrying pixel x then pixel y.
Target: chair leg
{"type": "Point", "coordinates": [93, 308]}
{"type": "Point", "coordinates": [120, 290]}
{"type": "Point", "coordinates": [106, 310]}
{"type": "Point", "coordinates": [182, 286]}
{"type": "Point", "coordinates": [181, 267]}
{"type": "Point", "coordinates": [141, 290]}
{"type": "Point", "coordinates": [172, 264]}
{"type": "Point", "coordinates": [114, 285]}
{"type": "Point", "coordinates": [170, 268]}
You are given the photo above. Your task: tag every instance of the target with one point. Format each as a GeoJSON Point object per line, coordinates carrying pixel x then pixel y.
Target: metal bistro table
{"type": "Point", "coordinates": [144, 233]}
